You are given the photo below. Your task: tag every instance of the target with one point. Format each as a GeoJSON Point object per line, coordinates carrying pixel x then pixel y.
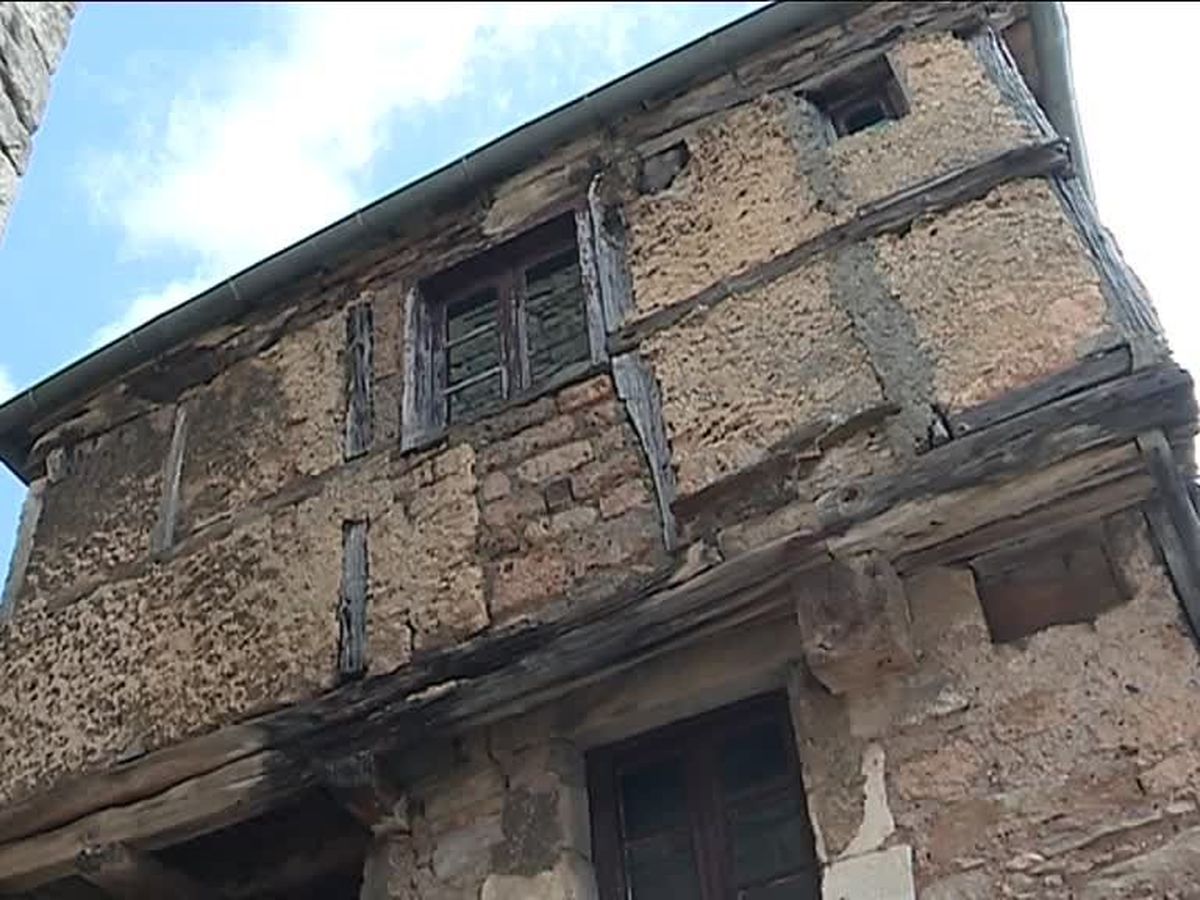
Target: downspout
{"type": "Point", "coordinates": [1052, 50]}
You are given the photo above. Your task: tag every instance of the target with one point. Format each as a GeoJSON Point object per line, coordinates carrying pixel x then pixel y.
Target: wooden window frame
{"type": "Point", "coordinates": [706, 808]}
{"type": "Point", "coordinates": [501, 267]}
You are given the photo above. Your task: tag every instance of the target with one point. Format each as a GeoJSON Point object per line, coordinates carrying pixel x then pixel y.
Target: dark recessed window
{"type": "Point", "coordinates": [505, 323]}
{"type": "Point", "coordinates": [862, 98]}
{"type": "Point", "coordinates": [709, 808]}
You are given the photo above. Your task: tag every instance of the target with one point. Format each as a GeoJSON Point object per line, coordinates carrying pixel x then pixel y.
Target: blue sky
{"type": "Point", "coordinates": [185, 141]}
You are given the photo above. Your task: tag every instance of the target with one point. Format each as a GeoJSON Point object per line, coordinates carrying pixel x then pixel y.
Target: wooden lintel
{"type": "Point", "coordinates": [1077, 442]}
{"type": "Point", "coordinates": [233, 793]}
{"type": "Point", "coordinates": [125, 874]}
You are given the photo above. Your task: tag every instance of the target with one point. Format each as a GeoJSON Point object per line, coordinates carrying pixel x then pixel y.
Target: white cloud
{"type": "Point", "coordinates": [273, 140]}
{"type": "Point", "coordinates": [8, 387]}
{"type": "Point", "coordinates": [146, 306]}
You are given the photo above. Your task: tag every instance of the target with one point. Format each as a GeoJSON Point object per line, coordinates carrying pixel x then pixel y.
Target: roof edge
{"type": "Point", "coordinates": [496, 159]}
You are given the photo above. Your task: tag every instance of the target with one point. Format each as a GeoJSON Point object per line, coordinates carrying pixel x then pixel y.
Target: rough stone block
{"type": "Point", "coordinates": [289, 425]}
{"type": "Point", "coordinates": [742, 178]}
{"type": "Point", "coordinates": [1002, 292]}
{"type": "Point", "coordinates": [956, 116]}
{"type": "Point", "coordinates": [594, 390]}
{"type": "Point", "coordinates": [624, 497]}
{"type": "Point", "coordinates": [556, 462]}
{"type": "Point", "coordinates": [97, 518]}
{"type": "Point", "coordinates": [744, 376]}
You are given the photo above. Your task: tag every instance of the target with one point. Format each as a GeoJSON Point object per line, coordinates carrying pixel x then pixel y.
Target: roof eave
{"type": "Point", "coordinates": [503, 156]}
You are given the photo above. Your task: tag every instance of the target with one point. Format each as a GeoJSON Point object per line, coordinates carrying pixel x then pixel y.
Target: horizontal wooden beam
{"type": "Point", "coordinates": [1075, 443]}
{"type": "Point", "coordinates": [233, 793]}
{"type": "Point", "coordinates": [891, 213]}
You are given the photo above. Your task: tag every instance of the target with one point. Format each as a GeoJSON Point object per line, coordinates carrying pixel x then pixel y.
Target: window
{"type": "Point", "coordinates": [864, 97]}
{"type": "Point", "coordinates": [504, 324]}
{"type": "Point", "coordinates": [709, 809]}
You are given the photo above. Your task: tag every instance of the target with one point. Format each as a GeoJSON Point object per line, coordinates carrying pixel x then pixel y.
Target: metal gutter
{"type": "Point", "coordinates": [709, 55]}
{"type": "Point", "coordinates": [1052, 50]}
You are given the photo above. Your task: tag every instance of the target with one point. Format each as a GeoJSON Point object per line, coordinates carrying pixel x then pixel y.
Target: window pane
{"type": "Point", "coordinates": [473, 379]}
{"type": "Point", "coordinates": [654, 798]}
{"type": "Point", "coordinates": [755, 756]}
{"type": "Point", "coordinates": [663, 868]}
{"type": "Point", "coordinates": [555, 318]}
{"type": "Point", "coordinates": [474, 399]}
{"type": "Point", "coordinates": [769, 837]}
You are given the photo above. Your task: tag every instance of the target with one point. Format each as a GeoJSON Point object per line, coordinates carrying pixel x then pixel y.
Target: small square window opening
{"type": "Point", "coordinates": [862, 98]}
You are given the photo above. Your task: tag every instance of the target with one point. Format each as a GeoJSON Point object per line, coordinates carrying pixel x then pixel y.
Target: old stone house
{"type": "Point", "coordinates": [761, 478]}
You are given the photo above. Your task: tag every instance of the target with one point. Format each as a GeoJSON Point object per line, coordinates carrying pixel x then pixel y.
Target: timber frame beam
{"type": "Point", "coordinates": [1057, 464]}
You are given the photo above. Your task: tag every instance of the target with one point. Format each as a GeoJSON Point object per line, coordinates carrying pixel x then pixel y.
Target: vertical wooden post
{"type": "Point", "coordinates": [359, 400]}
{"type": "Point", "coordinates": [352, 607]}
{"type": "Point", "coordinates": [163, 536]}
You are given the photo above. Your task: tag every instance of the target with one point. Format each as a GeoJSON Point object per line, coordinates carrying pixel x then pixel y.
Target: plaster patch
{"type": "Point", "coordinates": [883, 875]}
{"type": "Point", "coordinates": [877, 822]}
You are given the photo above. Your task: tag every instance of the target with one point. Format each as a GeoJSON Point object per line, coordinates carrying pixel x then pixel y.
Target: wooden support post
{"type": "Point", "coordinates": [638, 389]}
{"type": "Point", "coordinates": [352, 607]}
{"type": "Point", "coordinates": [125, 874]}
{"type": "Point", "coordinates": [163, 536]}
{"type": "Point", "coordinates": [359, 380]}
{"type": "Point", "coordinates": [1175, 524]}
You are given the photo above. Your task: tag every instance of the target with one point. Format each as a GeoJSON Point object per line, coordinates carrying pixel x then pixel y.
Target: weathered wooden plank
{"type": "Point", "coordinates": [585, 238]}
{"type": "Point", "coordinates": [352, 606]}
{"type": "Point", "coordinates": [1109, 414]}
{"type": "Point", "coordinates": [206, 803]}
{"type": "Point", "coordinates": [1089, 503]}
{"type": "Point", "coordinates": [420, 418]}
{"type": "Point", "coordinates": [163, 536]}
{"type": "Point", "coordinates": [360, 412]}
{"type": "Point", "coordinates": [639, 391]}
{"type": "Point", "coordinates": [127, 875]}
{"type": "Point", "coordinates": [1089, 372]}
{"type": "Point", "coordinates": [888, 214]}
{"type": "Point", "coordinates": [1175, 524]}
{"type": "Point", "coordinates": [612, 271]}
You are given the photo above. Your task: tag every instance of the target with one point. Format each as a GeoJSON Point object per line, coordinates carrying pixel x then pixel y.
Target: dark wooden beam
{"type": "Point", "coordinates": [194, 806]}
{"type": "Point", "coordinates": [1088, 373]}
{"type": "Point", "coordinates": [125, 874]}
{"type": "Point", "coordinates": [891, 213]}
{"type": "Point", "coordinates": [1016, 465]}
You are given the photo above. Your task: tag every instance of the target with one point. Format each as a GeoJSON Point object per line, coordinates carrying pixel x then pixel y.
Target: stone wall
{"type": "Point", "coordinates": [32, 38]}
{"type": "Point", "coordinates": [181, 568]}
{"type": "Point", "coordinates": [1060, 766]}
